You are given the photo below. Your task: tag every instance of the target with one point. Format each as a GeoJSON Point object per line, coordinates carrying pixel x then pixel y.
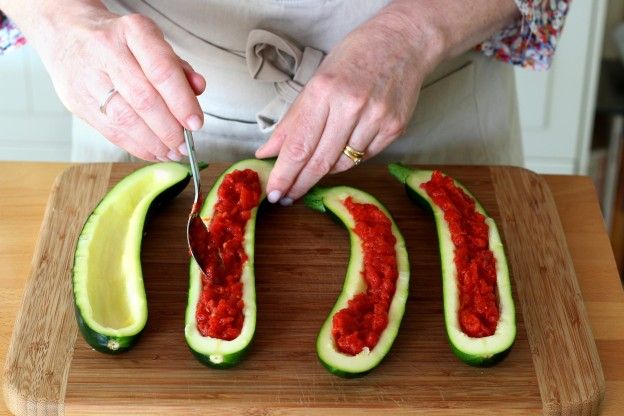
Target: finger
{"type": "Point", "coordinates": [130, 81]}
{"type": "Point", "coordinates": [163, 69]}
{"type": "Point", "coordinates": [122, 125]}
{"type": "Point", "coordinates": [301, 129]}
{"type": "Point", "coordinates": [122, 118]}
{"type": "Point", "coordinates": [335, 136]}
{"type": "Point", "coordinates": [197, 81]}
{"type": "Point", "coordinates": [389, 132]}
{"type": "Point", "coordinates": [272, 146]}
{"type": "Point", "coordinates": [363, 135]}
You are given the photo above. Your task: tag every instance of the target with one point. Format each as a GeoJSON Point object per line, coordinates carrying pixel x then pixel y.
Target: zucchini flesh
{"type": "Point", "coordinates": [482, 351]}
{"type": "Point", "coordinates": [331, 201]}
{"type": "Point", "coordinates": [215, 352]}
{"type": "Point", "coordinates": [109, 296]}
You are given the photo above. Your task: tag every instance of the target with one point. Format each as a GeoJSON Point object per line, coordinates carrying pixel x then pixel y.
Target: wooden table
{"type": "Point", "coordinates": [24, 189]}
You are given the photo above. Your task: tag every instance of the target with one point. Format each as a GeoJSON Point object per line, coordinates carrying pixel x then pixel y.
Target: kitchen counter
{"type": "Point", "coordinates": [24, 190]}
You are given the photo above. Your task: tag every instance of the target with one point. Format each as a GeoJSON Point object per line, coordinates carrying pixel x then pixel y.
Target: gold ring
{"type": "Point", "coordinates": [109, 95]}
{"type": "Point", "coordinates": [356, 156]}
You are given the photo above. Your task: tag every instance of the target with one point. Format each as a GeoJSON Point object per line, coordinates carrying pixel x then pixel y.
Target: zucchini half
{"type": "Point", "coordinates": [330, 200]}
{"type": "Point", "coordinates": [214, 352]}
{"type": "Point", "coordinates": [482, 351]}
{"type": "Point", "coordinates": [109, 296]}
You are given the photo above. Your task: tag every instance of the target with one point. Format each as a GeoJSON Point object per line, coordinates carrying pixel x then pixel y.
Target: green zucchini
{"type": "Point", "coordinates": [215, 352]}
{"type": "Point", "coordinates": [482, 351]}
{"type": "Point", "coordinates": [109, 296]}
{"type": "Point", "coordinates": [331, 201]}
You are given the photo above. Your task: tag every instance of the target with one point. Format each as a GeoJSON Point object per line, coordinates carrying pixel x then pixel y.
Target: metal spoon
{"type": "Point", "coordinates": [197, 234]}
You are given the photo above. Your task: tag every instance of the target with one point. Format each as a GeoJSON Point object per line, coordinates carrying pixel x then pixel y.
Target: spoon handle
{"type": "Point", "coordinates": [190, 145]}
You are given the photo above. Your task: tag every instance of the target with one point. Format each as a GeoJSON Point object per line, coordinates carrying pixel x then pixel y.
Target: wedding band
{"type": "Point", "coordinates": [109, 96]}
{"type": "Point", "coordinates": [356, 156]}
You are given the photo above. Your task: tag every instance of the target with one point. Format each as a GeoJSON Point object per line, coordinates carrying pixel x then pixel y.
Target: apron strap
{"type": "Point", "coordinates": [276, 59]}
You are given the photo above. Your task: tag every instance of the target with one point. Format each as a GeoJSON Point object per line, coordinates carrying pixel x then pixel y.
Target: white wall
{"type": "Point", "coordinates": [557, 106]}
{"type": "Point", "coordinates": [34, 125]}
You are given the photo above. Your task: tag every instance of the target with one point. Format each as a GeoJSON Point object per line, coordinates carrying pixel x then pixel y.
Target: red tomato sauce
{"type": "Point", "coordinates": [361, 323]}
{"type": "Point", "coordinates": [475, 262]}
{"type": "Point", "coordinates": [219, 311]}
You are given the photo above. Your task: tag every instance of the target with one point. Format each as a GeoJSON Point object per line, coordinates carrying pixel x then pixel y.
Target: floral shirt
{"type": "Point", "coordinates": [529, 42]}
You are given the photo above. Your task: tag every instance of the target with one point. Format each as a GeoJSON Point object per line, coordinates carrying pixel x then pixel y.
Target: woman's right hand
{"type": "Point", "coordinates": [88, 51]}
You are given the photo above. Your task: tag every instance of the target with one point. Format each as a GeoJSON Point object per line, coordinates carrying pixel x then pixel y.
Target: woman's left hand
{"type": "Point", "coordinates": [362, 95]}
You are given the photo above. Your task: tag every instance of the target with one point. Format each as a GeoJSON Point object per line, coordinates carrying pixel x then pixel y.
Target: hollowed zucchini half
{"type": "Point", "coordinates": [109, 296]}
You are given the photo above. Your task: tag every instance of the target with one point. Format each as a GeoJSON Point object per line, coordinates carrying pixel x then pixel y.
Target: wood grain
{"type": "Point", "coordinates": [300, 260]}
{"type": "Point", "coordinates": [40, 353]}
{"type": "Point", "coordinates": [554, 313]}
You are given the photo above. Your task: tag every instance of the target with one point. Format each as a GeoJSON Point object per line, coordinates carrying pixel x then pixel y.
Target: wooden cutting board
{"type": "Point", "coordinates": [301, 259]}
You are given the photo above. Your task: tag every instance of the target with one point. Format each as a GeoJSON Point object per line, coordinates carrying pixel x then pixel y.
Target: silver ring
{"type": "Point", "coordinates": [109, 96]}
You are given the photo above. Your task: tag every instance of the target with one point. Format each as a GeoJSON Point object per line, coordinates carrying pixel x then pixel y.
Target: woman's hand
{"type": "Point", "coordinates": [362, 95]}
{"type": "Point", "coordinates": [366, 89]}
{"type": "Point", "coordinates": [89, 50]}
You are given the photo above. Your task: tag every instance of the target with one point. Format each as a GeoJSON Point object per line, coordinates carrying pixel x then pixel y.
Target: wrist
{"type": "Point", "coordinates": [40, 20]}
{"type": "Point", "coordinates": [423, 38]}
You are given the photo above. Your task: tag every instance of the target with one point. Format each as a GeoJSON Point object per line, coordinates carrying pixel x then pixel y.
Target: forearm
{"type": "Point", "coordinates": [36, 18]}
{"type": "Point", "coordinates": [442, 29]}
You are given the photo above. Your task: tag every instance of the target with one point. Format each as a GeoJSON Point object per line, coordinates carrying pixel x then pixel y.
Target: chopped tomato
{"type": "Point", "coordinates": [361, 323]}
{"type": "Point", "coordinates": [219, 311]}
{"type": "Point", "coordinates": [475, 262]}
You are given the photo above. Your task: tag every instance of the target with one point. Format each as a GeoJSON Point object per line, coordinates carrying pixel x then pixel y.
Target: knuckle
{"type": "Point", "coordinates": [354, 103]}
{"type": "Point", "coordinates": [319, 166]}
{"type": "Point", "coordinates": [144, 99]}
{"type": "Point", "coordinates": [161, 71]}
{"type": "Point", "coordinates": [173, 138]}
{"type": "Point", "coordinates": [123, 116]}
{"type": "Point", "coordinates": [137, 22]}
{"type": "Point", "coordinates": [395, 126]}
{"type": "Point", "coordinates": [105, 38]}
{"type": "Point", "coordinates": [356, 96]}
{"type": "Point", "coordinates": [377, 110]}
{"type": "Point", "coordinates": [279, 181]}
{"type": "Point", "coordinates": [298, 151]}
{"type": "Point", "coordinates": [322, 84]}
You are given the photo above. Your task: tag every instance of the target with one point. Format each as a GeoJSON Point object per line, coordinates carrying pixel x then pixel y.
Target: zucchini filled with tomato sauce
{"type": "Point", "coordinates": [479, 311]}
{"type": "Point", "coordinates": [365, 320]}
{"type": "Point", "coordinates": [220, 316]}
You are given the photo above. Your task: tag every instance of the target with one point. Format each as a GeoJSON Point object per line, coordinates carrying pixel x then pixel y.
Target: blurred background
{"type": "Point", "coordinates": [572, 115]}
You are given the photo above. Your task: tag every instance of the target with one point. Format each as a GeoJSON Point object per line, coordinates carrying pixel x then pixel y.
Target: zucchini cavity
{"type": "Point", "coordinates": [107, 280]}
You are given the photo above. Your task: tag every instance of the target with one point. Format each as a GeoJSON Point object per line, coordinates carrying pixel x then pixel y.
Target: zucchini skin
{"type": "Point", "coordinates": [231, 359]}
{"type": "Point", "coordinates": [104, 343]}
{"type": "Point", "coordinates": [111, 344]}
{"type": "Point", "coordinates": [314, 200]}
{"type": "Point", "coordinates": [477, 360]}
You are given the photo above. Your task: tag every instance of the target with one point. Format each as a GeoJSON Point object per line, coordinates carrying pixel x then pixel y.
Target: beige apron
{"type": "Point", "coordinates": [257, 54]}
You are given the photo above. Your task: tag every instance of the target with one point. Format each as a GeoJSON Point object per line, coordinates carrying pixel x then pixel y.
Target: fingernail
{"type": "Point", "coordinates": [162, 159]}
{"type": "Point", "coordinates": [286, 201]}
{"type": "Point", "coordinates": [194, 122]}
{"type": "Point", "coordinates": [274, 196]}
{"type": "Point", "coordinates": [174, 156]}
{"type": "Point", "coordinates": [182, 149]}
